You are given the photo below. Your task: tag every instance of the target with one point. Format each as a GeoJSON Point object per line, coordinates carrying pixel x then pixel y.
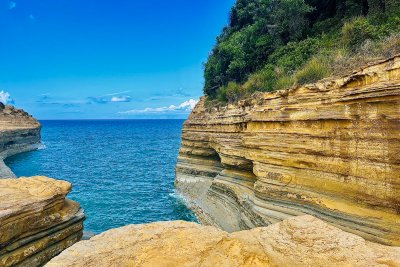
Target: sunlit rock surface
{"type": "Point", "coordinates": [19, 132]}
{"type": "Point", "coordinates": [299, 241]}
{"type": "Point", "coordinates": [329, 149]}
{"type": "Point", "coordinates": [37, 222]}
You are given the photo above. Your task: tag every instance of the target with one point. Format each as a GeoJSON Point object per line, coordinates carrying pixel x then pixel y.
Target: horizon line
{"type": "Point", "coordinates": [114, 119]}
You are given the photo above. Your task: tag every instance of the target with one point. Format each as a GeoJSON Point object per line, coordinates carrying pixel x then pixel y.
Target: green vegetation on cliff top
{"type": "Point", "coordinates": [274, 44]}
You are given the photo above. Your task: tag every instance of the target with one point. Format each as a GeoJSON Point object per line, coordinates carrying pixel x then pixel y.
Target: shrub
{"type": "Point", "coordinates": [391, 45]}
{"type": "Point", "coordinates": [263, 80]}
{"type": "Point", "coordinates": [221, 95]}
{"type": "Point", "coordinates": [294, 54]}
{"type": "Point", "coordinates": [313, 71]}
{"type": "Point", "coordinates": [285, 82]}
{"type": "Point", "coordinates": [356, 32]}
{"type": "Point", "coordinates": [232, 92]}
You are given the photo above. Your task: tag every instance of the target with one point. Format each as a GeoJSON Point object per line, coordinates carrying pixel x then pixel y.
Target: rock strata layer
{"type": "Point", "coordinates": [37, 222]}
{"type": "Point", "coordinates": [19, 132]}
{"type": "Point", "coordinates": [329, 149]}
{"type": "Point", "coordinates": [299, 241]}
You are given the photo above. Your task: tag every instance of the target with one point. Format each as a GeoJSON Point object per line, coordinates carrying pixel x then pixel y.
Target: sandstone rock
{"type": "Point", "coordinates": [19, 132]}
{"type": "Point", "coordinates": [299, 241]}
{"type": "Point", "coordinates": [36, 220]}
{"type": "Point", "coordinates": [329, 149]}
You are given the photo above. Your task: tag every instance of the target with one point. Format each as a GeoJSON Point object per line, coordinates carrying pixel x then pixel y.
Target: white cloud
{"type": "Point", "coordinates": [121, 99]}
{"type": "Point", "coordinates": [11, 5]}
{"type": "Point", "coordinates": [5, 98]}
{"type": "Point", "coordinates": [186, 106]}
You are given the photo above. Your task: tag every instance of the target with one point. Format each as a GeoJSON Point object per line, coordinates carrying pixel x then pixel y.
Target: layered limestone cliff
{"type": "Point", "coordinates": [329, 149]}
{"type": "Point", "coordinates": [37, 222]}
{"type": "Point", "coordinates": [19, 132]}
{"type": "Point", "coordinates": [300, 241]}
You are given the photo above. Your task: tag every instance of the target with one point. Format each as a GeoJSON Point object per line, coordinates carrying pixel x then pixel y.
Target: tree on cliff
{"type": "Point", "coordinates": [272, 44]}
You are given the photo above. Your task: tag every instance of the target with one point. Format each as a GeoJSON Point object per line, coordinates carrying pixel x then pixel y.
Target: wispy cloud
{"type": "Point", "coordinates": [5, 98]}
{"type": "Point", "coordinates": [119, 93]}
{"type": "Point", "coordinates": [184, 107]}
{"type": "Point", "coordinates": [70, 112]}
{"type": "Point", "coordinates": [47, 99]}
{"type": "Point", "coordinates": [31, 17]}
{"type": "Point", "coordinates": [121, 99]}
{"type": "Point", "coordinates": [11, 5]}
{"type": "Point", "coordinates": [110, 98]}
{"type": "Point", "coordinates": [181, 92]}
{"type": "Point", "coordinates": [97, 100]}
{"type": "Point", "coordinates": [44, 98]}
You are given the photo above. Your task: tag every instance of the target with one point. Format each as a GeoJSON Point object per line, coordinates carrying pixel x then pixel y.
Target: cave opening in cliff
{"type": "Point", "coordinates": [216, 157]}
{"type": "Point", "coordinates": [234, 163]}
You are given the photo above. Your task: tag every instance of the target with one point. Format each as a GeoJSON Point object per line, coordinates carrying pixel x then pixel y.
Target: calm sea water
{"type": "Point", "coordinates": [122, 171]}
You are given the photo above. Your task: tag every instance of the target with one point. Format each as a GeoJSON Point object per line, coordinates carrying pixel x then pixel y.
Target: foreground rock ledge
{"type": "Point", "coordinates": [37, 222]}
{"type": "Point", "coordinates": [299, 241]}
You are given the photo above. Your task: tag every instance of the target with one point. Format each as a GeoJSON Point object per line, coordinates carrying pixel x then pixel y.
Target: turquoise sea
{"type": "Point", "coordinates": [122, 171]}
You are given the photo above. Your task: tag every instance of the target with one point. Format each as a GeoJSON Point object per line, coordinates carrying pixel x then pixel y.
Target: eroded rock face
{"type": "Point", "coordinates": [300, 241]}
{"type": "Point", "coordinates": [19, 132]}
{"type": "Point", "coordinates": [329, 149]}
{"type": "Point", "coordinates": [37, 222]}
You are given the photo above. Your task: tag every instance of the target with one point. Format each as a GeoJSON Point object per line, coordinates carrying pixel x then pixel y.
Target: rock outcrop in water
{"type": "Point", "coordinates": [300, 241]}
{"type": "Point", "coordinates": [19, 132]}
{"type": "Point", "coordinates": [329, 149]}
{"type": "Point", "coordinates": [37, 222]}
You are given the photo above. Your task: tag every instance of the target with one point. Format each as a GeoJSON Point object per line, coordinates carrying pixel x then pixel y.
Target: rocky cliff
{"type": "Point", "coordinates": [329, 149]}
{"type": "Point", "coordinates": [19, 132]}
{"type": "Point", "coordinates": [37, 222]}
{"type": "Point", "coordinates": [300, 241]}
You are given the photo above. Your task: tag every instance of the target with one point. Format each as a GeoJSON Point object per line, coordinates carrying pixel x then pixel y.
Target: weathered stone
{"type": "Point", "coordinates": [299, 241]}
{"type": "Point", "coordinates": [329, 149]}
{"type": "Point", "coordinates": [36, 220]}
{"type": "Point", "coordinates": [19, 132]}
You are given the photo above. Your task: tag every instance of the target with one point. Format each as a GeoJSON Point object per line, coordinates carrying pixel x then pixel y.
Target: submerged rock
{"type": "Point", "coordinates": [329, 149]}
{"type": "Point", "coordinates": [87, 235]}
{"type": "Point", "coordinates": [299, 241]}
{"type": "Point", "coordinates": [37, 222]}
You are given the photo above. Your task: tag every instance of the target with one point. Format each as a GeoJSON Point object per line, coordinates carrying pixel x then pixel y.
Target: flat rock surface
{"type": "Point", "coordinates": [299, 241]}
{"type": "Point", "coordinates": [30, 204]}
{"type": "Point", "coordinates": [37, 221]}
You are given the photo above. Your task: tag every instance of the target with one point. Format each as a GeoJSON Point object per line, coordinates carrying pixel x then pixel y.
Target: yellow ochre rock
{"type": "Point", "coordinates": [329, 149]}
{"type": "Point", "coordinates": [19, 132]}
{"type": "Point", "coordinates": [36, 220]}
{"type": "Point", "coordinates": [299, 241]}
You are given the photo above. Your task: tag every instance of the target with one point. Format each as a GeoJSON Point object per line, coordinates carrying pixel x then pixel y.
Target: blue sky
{"type": "Point", "coordinates": [91, 59]}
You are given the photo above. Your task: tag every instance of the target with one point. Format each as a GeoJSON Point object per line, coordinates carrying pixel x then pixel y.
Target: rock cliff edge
{"type": "Point", "coordinates": [37, 222]}
{"type": "Point", "coordinates": [19, 132]}
{"type": "Point", "coordinates": [329, 149]}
